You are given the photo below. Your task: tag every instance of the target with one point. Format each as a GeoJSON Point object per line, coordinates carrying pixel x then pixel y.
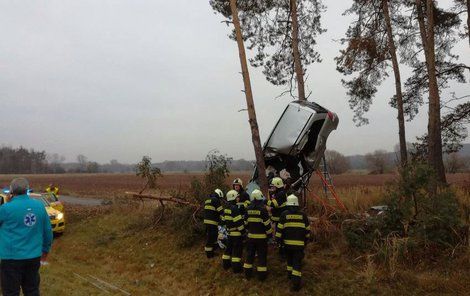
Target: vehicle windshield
{"type": "Point", "coordinates": [41, 199]}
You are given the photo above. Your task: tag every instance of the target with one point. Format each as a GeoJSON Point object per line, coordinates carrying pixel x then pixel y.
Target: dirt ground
{"type": "Point", "coordinates": [105, 185]}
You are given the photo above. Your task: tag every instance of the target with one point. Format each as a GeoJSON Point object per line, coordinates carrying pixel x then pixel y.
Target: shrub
{"type": "Point", "coordinates": [417, 223]}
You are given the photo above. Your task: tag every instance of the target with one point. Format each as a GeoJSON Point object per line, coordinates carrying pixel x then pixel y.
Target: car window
{"type": "Point", "coordinates": [41, 199]}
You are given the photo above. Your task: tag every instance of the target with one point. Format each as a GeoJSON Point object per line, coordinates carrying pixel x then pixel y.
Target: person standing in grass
{"type": "Point", "coordinates": [25, 240]}
{"type": "Point", "coordinates": [293, 232]}
{"type": "Point", "coordinates": [212, 212]}
{"type": "Point", "coordinates": [258, 226]}
{"type": "Point", "coordinates": [235, 225]}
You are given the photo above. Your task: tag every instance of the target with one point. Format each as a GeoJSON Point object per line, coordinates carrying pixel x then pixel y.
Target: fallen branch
{"type": "Point", "coordinates": [162, 198]}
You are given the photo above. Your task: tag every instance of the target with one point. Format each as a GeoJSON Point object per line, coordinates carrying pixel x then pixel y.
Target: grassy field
{"type": "Point", "coordinates": [116, 245]}
{"type": "Point", "coordinates": [110, 185]}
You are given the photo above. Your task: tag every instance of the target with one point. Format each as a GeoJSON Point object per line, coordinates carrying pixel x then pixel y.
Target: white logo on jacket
{"type": "Point", "coordinates": [29, 219]}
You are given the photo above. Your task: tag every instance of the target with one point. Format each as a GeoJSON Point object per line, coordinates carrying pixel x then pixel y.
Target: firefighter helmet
{"type": "Point", "coordinates": [277, 182]}
{"type": "Point", "coordinates": [232, 195]}
{"type": "Point", "coordinates": [256, 195]}
{"type": "Point", "coordinates": [237, 181]}
{"type": "Point", "coordinates": [292, 200]}
{"type": "Point", "coordinates": [219, 193]}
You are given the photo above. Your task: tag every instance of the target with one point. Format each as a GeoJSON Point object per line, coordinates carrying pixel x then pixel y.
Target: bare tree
{"type": "Point", "coordinates": [337, 162]}
{"type": "Point", "coordinates": [377, 161]}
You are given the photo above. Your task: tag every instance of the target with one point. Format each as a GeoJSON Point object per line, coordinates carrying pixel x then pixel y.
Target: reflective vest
{"type": "Point", "coordinates": [277, 204]}
{"type": "Point", "coordinates": [293, 229]}
{"type": "Point", "coordinates": [212, 211]}
{"type": "Point", "coordinates": [233, 220]}
{"type": "Point", "coordinates": [258, 224]}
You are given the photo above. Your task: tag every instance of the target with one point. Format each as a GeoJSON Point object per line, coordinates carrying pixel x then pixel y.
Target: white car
{"type": "Point", "coordinates": [297, 144]}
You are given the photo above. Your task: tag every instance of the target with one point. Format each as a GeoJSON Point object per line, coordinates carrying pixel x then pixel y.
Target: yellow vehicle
{"type": "Point", "coordinates": [3, 198]}
{"type": "Point", "coordinates": [54, 201]}
{"type": "Point", "coordinates": [56, 216]}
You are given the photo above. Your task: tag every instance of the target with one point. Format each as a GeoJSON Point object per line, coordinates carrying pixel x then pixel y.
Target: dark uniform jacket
{"type": "Point", "coordinates": [277, 204]}
{"type": "Point", "coordinates": [233, 220]}
{"type": "Point", "coordinates": [257, 220]}
{"type": "Point", "coordinates": [293, 229]}
{"type": "Point", "coordinates": [212, 211]}
{"type": "Point", "coordinates": [243, 201]}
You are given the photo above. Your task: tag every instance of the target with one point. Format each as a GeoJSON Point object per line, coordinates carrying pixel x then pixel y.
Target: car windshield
{"type": "Point", "coordinates": [41, 199]}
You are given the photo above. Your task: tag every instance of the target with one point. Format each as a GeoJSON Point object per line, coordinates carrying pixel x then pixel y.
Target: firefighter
{"type": "Point", "coordinates": [212, 212]}
{"type": "Point", "coordinates": [235, 225]}
{"type": "Point", "coordinates": [52, 189]}
{"type": "Point", "coordinates": [294, 233]}
{"type": "Point", "coordinates": [259, 231]}
{"type": "Point", "coordinates": [243, 200]}
{"type": "Point", "coordinates": [276, 204]}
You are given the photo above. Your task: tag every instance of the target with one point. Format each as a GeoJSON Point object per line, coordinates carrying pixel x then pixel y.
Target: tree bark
{"type": "Point", "coordinates": [468, 20]}
{"type": "Point", "coordinates": [263, 182]}
{"type": "Point", "coordinates": [398, 90]}
{"type": "Point", "coordinates": [434, 121]}
{"type": "Point", "coordinates": [295, 49]}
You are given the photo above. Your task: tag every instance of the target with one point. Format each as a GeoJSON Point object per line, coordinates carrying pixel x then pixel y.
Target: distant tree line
{"type": "Point", "coordinates": [22, 160]}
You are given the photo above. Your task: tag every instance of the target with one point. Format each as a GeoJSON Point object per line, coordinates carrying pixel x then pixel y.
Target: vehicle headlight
{"type": "Point", "coordinates": [60, 216]}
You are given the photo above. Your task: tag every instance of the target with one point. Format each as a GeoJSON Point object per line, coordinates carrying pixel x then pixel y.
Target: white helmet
{"type": "Point", "coordinates": [256, 195]}
{"type": "Point", "coordinates": [292, 200]}
{"type": "Point", "coordinates": [219, 193]}
{"type": "Point", "coordinates": [232, 195]}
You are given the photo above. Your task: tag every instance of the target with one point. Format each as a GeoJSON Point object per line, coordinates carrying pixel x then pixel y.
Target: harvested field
{"type": "Point", "coordinates": [108, 185]}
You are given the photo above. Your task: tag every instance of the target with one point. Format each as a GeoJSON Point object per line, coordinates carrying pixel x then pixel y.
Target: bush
{"type": "Point", "coordinates": [417, 223]}
{"type": "Point", "coordinates": [186, 223]}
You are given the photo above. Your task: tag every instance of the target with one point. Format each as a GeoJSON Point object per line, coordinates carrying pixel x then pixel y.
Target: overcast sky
{"type": "Point", "coordinates": [120, 79]}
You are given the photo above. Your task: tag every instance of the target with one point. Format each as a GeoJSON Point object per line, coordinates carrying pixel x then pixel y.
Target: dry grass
{"type": "Point", "coordinates": [115, 245]}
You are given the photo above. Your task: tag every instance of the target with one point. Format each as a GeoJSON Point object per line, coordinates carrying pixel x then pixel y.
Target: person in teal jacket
{"type": "Point", "coordinates": [25, 239]}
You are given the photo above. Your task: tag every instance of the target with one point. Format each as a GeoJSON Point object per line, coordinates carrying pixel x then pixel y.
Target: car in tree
{"type": "Point", "coordinates": [57, 217]}
{"type": "Point", "coordinates": [296, 145]}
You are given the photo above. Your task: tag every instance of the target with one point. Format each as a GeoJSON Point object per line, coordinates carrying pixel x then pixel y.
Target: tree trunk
{"type": "Point", "coordinates": [396, 72]}
{"type": "Point", "coordinates": [434, 122]}
{"type": "Point", "coordinates": [249, 101]}
{"type": "Point", "coordinates": [468, 20]}
{"type": "Point", "coordinates": [299, 72]}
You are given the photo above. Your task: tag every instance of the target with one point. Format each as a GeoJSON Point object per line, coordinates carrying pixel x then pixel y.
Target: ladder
{"type": "Point", "coordinates": [328, 186]}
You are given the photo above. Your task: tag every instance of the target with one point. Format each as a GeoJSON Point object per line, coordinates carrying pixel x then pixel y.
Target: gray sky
{"type": "Point", "coordinates": [119, 79]}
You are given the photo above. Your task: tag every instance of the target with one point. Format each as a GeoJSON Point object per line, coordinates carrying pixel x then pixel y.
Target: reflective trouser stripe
{"type": "Point", "coordinates": [254, 235]}
{"type": "Point", "coordinates": [296, 273]}
{"type": "Point", "coordinates": [235, 233]}
{"type": "Point", "coordinates": [261, 268]}
{"type": "Point", "coordinates": [247, 266]}
{"type": "Point", "coordinates": [206, 221]}
{"type": "Point", "coordinates": [255, 220]}
{"type": "Point", "coordinates": [225, 257]}
{"type": "Point", "coordinates": [294, 242]}
{"type": "Point", "coordinates": [235, 259]}
{"type": "Point", "coordinates": [289, 268]}
{"type": "Point", "coordinates": [208, 249]}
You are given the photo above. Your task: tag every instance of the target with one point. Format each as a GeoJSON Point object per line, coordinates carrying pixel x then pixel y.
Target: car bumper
{"type": "Point", "coordinates": [58, 226]}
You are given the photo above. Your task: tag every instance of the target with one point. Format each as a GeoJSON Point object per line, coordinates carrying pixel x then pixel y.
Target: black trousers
{"type": "Point", "coordinates": [294, 265]}
{"type": "Point", "coordinates": [212, 232]}
{"type": "Point", "coordinates": [20, 274]}
{"type": "Point", "coordinates": [259, 248]}
{"type": "Point", "coordinates": [233, 254]}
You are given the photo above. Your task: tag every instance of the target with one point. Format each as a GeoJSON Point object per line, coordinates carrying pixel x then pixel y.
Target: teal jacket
{"type": "Point", "coordinates": [25, 229]}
